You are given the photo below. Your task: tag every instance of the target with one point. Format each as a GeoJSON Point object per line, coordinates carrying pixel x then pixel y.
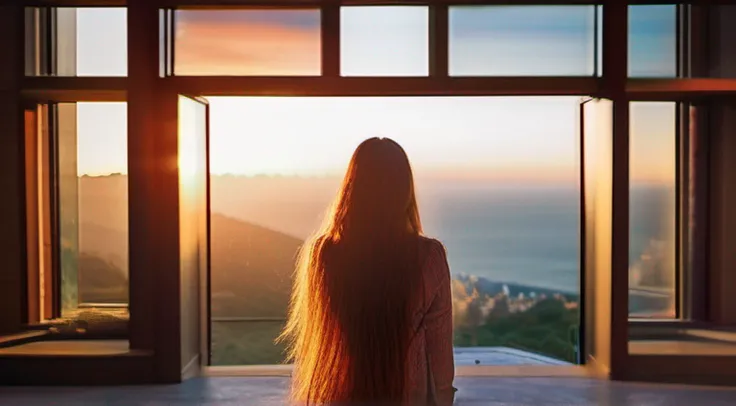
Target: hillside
{"type": "Point", "coordinates": [252, 268]}
{"type": "Point", "coordinates": [100, 281]}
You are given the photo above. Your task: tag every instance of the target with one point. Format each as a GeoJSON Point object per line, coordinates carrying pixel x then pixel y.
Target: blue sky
{"type": "Point", "coordinates": [499, 136]}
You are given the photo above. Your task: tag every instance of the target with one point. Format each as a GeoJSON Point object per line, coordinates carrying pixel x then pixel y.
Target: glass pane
{"type": "Point", "coordinates": [102, 162]}
{"type": "Point", "coordinates": [88, 41]}
{"type": "Point", "coordinates": [102, 42]}
{"type": "Point", "coordinates": [596, 154]}
{"type": "Point", "coordinates": [69, 247]}
{"type": "Point", "coordinates": [247, 42]}
{"type": "Point", "coordinates": [508, 213]}
{"type": "Point", "coordinates": [192, 137]}
{"type": "Point", "coordinates": [522, 40]}
{"type": "Point", "coordinates": [653, 41]}
{"type": "Point", "coordinates": [384, 41]}
{"type": "Point", "coordinates": [652, 245]}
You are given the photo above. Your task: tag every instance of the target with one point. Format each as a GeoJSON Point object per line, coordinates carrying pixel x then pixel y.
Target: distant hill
{"type": "Point", "coordinates": [252, 268]}
{"type": "Point", "coordinates": [252, 265]}
{"type": "Point", "coordinates": [104, 242]}
{"type": "Point", "coordinates": [103, 200]}
{"type": "Point", "coordinates": [100, 281]}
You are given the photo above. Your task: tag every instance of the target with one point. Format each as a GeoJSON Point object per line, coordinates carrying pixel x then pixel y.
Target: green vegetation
{"type": "Point", "coordinates": [246, 343]}
{"type": "Point", "coordinates": [546, 328]}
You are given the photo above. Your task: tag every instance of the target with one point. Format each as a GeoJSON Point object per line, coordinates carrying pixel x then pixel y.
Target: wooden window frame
{"type": "Point", "coordinates": [613, 84]}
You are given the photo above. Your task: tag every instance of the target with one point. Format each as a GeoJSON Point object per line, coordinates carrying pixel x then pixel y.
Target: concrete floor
{"type": "Point", "coordinates": [267, 391]}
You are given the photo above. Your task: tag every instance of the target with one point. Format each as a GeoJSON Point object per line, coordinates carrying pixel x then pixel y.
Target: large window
{"type": "Point", "coordinates": [484, 98]}
{"type": "Point", "coordinates": [78, 171]}
{"type": "Point", "coordinates": [496, 182]}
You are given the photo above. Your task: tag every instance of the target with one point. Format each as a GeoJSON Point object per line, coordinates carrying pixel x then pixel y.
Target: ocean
{"type": "Point", "coordinates": [527, 235]}
{"type": "Point", "coordinates": [521, 235]}
{"type": "Point", "coordinates": [531, 235]}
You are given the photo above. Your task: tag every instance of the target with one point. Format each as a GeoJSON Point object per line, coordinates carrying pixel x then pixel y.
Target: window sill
{"type": "Point", "coordinates": [71, 348]}
{"type": "Point", "coordinates": [460, 371]}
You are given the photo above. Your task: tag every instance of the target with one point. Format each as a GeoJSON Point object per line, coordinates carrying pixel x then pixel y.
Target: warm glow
{"type": "Point", "coordinates": [190, 128]}
{"type": "Point", "coordinates": [480, 138]}
{"type": "Point", "coordinates": [248, 42]}
{"type": "Point", "coordinates": [447, 138]}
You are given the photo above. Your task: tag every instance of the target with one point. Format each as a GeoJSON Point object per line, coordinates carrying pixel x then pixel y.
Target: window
{"type": "Point", "coordinates": [84, 41]}
{"type": "Point", "coordinates": [522, 40]}
{"type": "Point", "coordinates": [384, 41]}
{"type": "Point", "coordinates": [653, 41]}
{"type": "Point", "coordinates": [247, 42]}
{"type": "Point", "coordinates": [386, 52]}
{"type": "Point", "coordinates": [653, 242]}
{"type": "Point", "coordinates": [81, 215]}
{"type": "Point", "coordinates": [501, 193]}
{"type": "Point", "coordinates": [102, 163]}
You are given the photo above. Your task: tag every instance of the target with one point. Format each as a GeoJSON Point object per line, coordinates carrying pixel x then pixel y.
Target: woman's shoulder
{"type": "Point", "coordinates": [433, 254]}
{"type": "Point", "coordinates": [435, 269]}
{"type": "Point", "coordinates": [431, 246]}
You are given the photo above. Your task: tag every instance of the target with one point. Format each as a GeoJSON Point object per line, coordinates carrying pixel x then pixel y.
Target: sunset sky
{"type": "Point", "coordinates": [483, 137]}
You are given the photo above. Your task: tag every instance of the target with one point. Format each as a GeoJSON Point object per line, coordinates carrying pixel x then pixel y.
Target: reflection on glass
{"type": "Point", "coordinates": [247, 42]}
{"type": "Point", "coordinates": [192, 138]}
{"type": "Point", "coordinates": [653, 41]}
{"type": "Point", "coordinates": [384, 41]}
{"type": "Point", "coordinates": [652, 270]}
{"type": "Point", "coordinates": [522, 40]}
{"type": "Point", "coordinates": [496, 181]}
{"type": "Point", "coordinates": [101, 180]}
{"type": "Point", "coordinates": [68, 204]}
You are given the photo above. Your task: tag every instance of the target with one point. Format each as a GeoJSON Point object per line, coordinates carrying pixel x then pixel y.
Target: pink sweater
{"type": "Point", "coordinates": [433, 322]}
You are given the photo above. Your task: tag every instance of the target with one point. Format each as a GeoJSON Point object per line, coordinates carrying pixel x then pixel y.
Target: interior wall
{"type": "Point", "coordinates": [722, 36]}
{"type": "Point", "coordinates": [723, 213]}
{"type": "Point", "coordinates": [722, 241]}
{"type": "Point", "coordinates": [12, 208]}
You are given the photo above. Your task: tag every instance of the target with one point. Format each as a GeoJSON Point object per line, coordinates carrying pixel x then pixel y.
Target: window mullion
{"type": "Point", "coordinates": [438, 40]}
{"type": "Point", "coordinates": [330, 21]}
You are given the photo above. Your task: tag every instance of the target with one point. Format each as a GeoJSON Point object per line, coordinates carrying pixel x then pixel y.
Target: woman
{"type": "Point", "coordinates": [370, 320]}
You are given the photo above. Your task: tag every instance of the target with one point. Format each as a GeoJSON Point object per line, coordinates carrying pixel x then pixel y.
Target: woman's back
{"type": "Point", "coordinates": [431, 362]}
{"type": "Point", "coordinates": [370, 319]}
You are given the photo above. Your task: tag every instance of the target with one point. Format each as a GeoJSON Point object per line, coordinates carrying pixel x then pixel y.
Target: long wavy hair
{"type": "Point", "coordinates": [349, 325]}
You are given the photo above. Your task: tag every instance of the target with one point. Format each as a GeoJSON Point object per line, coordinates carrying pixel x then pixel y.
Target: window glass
{"type": "Point", "coordinates": [384, 41]}
{"type": "Point", "coordinates": [652, 210]}
{"type": "Point", "coordinates": [102, 41]}
{"type": "Point", "coordinates": [497, 182]}
{"type": "Point", "coordinates": [93, 203]}
{"type": "Point", "coordinates": [247, 42]}
{"type": "Point", "coordinates": [85, 41]}
{"type": "Point", "coordinates": [522, 40]}
{"type": "Point", "coordinates": [653, 41]}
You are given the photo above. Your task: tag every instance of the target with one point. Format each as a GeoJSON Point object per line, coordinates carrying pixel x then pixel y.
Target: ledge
{"type": "Point", "coordinates": [75, 362]}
